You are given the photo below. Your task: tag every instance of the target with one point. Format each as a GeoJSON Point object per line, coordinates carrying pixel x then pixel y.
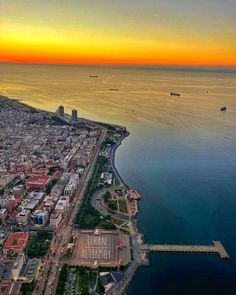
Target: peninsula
{"type": "Point", "coordinates": [68, 220]}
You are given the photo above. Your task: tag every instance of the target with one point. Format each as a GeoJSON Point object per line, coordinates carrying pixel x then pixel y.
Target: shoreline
{"type": "Point", "coordinates": [112, 158]}
{"type": "Point", "coordinates": [135, 234]}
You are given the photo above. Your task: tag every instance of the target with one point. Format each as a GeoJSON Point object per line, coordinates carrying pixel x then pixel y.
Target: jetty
{"type": "Point", "coordinates": [217, 248]}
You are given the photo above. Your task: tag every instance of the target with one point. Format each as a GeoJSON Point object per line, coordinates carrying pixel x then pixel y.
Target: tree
{"type": "Point", "coordinates": [112, 205]}
{"type": "Point", "coordinates": [107, 196]}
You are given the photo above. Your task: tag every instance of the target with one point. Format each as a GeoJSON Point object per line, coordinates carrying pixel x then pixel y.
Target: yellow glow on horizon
{"type": "Point", "coordinates": [42, 44]}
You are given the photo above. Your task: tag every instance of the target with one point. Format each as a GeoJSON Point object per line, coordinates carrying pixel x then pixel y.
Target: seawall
{"type": "Point", "coordinates": [112, 158]}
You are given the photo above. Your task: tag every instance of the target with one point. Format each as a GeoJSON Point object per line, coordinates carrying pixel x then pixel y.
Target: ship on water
{"type": "Point", "coordinates": [114, 89]}
{"type": "Point", "coordinates": [223, 109]}
{"type": "Point", "coordinates": [175, 94]}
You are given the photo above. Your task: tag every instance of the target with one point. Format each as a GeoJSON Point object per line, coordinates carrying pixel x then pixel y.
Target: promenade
{"type": "Point", "coordinates": [112, 158]}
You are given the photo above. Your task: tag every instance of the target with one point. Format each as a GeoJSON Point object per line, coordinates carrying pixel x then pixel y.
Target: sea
{"type": "Point", "coordinates": [180, 155]}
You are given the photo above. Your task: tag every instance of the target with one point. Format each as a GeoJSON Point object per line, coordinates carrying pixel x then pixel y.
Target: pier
{"type": "Point", "coordinates": [217, 248]}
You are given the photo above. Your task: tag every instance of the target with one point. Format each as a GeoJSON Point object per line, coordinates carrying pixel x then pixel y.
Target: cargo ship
{"type": "Point", "coordinates": [175, 94]}
{"type": "Point", "coordinates": [223, 109]}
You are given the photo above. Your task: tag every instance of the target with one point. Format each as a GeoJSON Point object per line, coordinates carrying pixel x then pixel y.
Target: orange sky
{"type": "Point", "coordinates": [108, 33]}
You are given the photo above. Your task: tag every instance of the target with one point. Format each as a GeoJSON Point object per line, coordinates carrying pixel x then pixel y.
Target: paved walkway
{"type": "Point", "coordinates": [112, 157]}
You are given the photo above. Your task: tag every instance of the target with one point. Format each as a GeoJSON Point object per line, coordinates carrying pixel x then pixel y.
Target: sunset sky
{"type": "Point", "coordinates": [136, 32]}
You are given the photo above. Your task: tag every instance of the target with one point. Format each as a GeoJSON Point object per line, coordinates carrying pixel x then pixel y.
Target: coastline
{"type": "Point", "coordinates": [112, 158]}
{"type": "Point", "coordinates": [135, 234]}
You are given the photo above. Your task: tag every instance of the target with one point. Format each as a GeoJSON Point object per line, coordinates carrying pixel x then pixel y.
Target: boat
{"type": "Point", "coordinates": [223, 109]}
{"type": "Point", "coordinates": [114, 89]}
{"type": "Point", "coordinates": [93, 76]}
{"type": "Point", "coordinates": [175, 94]}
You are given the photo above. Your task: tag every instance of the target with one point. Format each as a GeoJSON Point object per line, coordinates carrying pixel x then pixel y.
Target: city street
{"type": "Point", "coordinates": [53, 263]}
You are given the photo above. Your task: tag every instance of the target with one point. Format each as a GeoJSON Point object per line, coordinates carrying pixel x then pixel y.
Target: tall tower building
{"type": "Point", "coordinates": [61, 111]}
{"type": "Point", "coordinates": [74, 115]}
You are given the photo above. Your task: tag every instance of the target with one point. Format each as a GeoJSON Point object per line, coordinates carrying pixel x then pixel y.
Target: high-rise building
{"type": "Point", "coordinates": [61, 111]}
{"type": "Point", "coordinates": [74, 115]}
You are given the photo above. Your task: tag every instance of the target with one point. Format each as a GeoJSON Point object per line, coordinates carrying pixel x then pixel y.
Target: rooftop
{"type": "Point", "coordinates": [38, 179]}
{"type": "Point", "coordinates": [16, 241]}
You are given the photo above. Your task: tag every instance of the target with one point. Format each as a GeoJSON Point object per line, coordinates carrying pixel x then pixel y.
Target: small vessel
{"type": "Point", "coordinates": [114, 89]}
{"type": "Point", "coordinates": [223, 109]}
{"type": "Point", "coordinates": [175, 94]}
{"type": "Point", "coordinates": [93, 76]}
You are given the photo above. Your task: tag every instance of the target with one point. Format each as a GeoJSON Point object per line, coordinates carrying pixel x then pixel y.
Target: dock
{"type": "Point", "coordinates": [216, 248]}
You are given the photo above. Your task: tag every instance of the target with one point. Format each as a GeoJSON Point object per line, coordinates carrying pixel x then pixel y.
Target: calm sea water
{"type": "Point", "coordinates": [181, 156]}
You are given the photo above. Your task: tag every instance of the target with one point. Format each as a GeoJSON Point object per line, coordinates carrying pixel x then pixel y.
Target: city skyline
{"type": "Point", "coordinates": [198, 33]}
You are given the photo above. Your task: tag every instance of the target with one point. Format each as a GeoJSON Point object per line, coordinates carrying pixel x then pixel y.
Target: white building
{"type": "Point", "coordinates": [72, 185]}
{"type": "Point", "coordinates": [107, 177]}
{"type": "Point", "coordinates": [62, 204]}
{"type": "Point", "coordinates": [55, 219]}
{"type": "Point", "coordinates": [65, 200]}
{"type": "Point", "coordinates": [22, 217]}
{"type": "Point", "coordinates": [17, 266]}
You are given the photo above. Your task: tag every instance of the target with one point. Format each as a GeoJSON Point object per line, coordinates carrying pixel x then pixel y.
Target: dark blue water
{"type": "Point", "coordinates": [188, 185]}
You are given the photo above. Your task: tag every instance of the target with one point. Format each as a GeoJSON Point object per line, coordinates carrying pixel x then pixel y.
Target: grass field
{"type": "Point", "coordinates": [123, 206]}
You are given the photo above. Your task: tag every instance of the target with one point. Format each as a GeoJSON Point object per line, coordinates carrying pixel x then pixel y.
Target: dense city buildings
{"type": "Point", "coordinates": [42, 162]}
{"type": "Point", "coordinates": [51, 167]}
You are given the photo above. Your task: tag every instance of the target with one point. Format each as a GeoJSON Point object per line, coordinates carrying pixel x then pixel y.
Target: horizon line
{"type": "Point", "coordinates": [217, 66]}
